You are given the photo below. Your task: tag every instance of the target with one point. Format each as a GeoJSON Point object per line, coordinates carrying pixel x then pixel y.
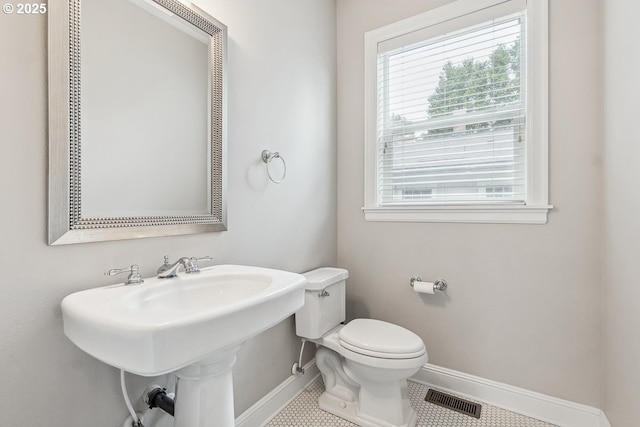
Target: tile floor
{"type": "Point", "coordinates": [303, 411]}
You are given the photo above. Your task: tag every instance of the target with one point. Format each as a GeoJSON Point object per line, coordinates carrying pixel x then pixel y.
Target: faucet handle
{"type": "Point", "coordinates": [193, 265]}
{"type": "Point", "coordinates": [134, 277]}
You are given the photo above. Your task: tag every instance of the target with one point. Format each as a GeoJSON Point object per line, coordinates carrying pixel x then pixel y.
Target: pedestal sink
{"type": "Point", "coordinates": [192, 325]}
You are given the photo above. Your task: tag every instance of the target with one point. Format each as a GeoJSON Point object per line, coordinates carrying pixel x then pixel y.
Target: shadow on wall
{"type": "Point", "coordinates": [440, 299]}
{"type": "Point", "coordinates": [356, 308]}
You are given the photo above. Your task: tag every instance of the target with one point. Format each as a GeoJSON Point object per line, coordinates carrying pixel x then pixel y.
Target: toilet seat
{"type": "Point", "coordinates": [378, 339]}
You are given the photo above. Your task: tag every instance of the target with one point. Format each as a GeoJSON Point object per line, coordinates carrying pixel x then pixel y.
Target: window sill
{"type": "Point", "coordinates": [483, 214]}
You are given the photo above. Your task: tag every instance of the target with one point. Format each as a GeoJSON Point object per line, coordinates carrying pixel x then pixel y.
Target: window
{"type": "Point", "coordinates": [456, 115]}
{"type": "Point", "coordinates": [498, 192]}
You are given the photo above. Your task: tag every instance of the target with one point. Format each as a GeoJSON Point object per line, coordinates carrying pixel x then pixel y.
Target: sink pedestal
{"type": "Point", "coordinates": [204, 392]}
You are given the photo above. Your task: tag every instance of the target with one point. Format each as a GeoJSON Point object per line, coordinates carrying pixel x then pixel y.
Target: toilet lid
{"type": "Point", "coordinates": [380, 339]}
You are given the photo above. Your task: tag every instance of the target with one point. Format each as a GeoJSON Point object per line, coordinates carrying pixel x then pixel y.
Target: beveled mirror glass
{"type": "Point", "coordinates": [137, 118]}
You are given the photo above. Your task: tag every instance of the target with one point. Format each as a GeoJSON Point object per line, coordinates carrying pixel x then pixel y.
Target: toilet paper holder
{"type": "Point", "coordinates": [438, 285]}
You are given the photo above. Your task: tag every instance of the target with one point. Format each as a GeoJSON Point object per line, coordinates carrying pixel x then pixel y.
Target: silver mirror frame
{"type": "Point", "coordinates": [66, 224]}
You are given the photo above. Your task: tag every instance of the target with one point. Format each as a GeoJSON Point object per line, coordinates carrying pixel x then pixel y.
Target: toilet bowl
{"type": "Point", "coordinates": [365, 363]}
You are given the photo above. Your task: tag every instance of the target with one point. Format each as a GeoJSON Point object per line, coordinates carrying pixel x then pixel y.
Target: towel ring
{"type": "Point", "coordinates": [267, 156]}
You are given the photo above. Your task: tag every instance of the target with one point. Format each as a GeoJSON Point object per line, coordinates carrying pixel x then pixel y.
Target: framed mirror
{"type": "Point", "coordinates": [137, 120]}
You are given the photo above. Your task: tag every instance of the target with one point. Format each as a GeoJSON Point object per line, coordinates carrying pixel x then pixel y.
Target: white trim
{"type": "Point", "coordinates": [538, 102]}
{"type": "Point", "coordinates": [429, 18]}
{"type": "Point", "coordinates": [448, 18]}
{"type": "Point", "coordinates": [536, 210]}
{"type": "Point", "coordinates": [495, 214]}
{"type": "Point", "coordinates": [270, 405]}
{"type": "Point", "coordinates": [536, 405]}
{"type": "Point", "coordinates": [371, 39]}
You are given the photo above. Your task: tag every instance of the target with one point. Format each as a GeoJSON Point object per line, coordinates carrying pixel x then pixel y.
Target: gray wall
{"type": "Point", "coordinates": [282, 97]}
{"type": "Point", "coordinates": [620, 290]}
{"type": "Point", "coordinates": [524, 301]}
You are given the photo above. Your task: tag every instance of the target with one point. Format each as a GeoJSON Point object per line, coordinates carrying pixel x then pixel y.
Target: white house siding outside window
{"type": "Point", "coordinates": [456, 115]}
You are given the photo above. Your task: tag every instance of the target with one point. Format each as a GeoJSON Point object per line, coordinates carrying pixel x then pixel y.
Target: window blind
{"type": "Point", "coordinates": [451, 123]}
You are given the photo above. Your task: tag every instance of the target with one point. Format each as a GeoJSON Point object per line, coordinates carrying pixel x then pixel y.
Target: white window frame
{"type": "Point", "coordinates": [536, 207]}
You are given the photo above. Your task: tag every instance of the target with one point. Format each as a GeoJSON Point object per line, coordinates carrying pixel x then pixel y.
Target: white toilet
{"type": "Point", "coordinates": [365, 363]}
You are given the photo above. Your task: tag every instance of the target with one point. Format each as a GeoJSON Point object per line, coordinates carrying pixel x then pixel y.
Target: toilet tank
{"type": "Point", "coordinates": [324, 302]}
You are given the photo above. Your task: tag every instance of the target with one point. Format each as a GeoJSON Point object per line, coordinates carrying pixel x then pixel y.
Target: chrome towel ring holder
{"type": "Point", "coordinates": [267, 157]}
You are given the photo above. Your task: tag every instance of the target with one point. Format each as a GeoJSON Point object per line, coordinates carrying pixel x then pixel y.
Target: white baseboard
{"type": "Point", "coordinates": [270, 405]}
{"type": "Point", "coordinates": [536, 405]}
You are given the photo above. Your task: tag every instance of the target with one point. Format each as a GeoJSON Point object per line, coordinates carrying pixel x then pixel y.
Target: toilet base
{"type": "Point", "coordinates": [365, 395]}
{"type": "Point", "coordinates": [349, 412]}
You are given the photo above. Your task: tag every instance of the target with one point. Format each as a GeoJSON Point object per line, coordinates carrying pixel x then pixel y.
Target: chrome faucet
{"type": "Point", "coordinates": [134, 277]}
{"type": "Point", "coordinates": [190, 265]}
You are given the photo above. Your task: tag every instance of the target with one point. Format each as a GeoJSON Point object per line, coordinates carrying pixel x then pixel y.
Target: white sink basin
{"type": "Point", "coordinates": [163, 325]}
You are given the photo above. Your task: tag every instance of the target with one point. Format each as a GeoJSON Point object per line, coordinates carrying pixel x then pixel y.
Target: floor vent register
{"type": "Point", "coordinates": [454, 403]}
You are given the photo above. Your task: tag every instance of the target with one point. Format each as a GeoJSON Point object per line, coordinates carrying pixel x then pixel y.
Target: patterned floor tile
{"type": "Point", "coordinates": [303, 411]}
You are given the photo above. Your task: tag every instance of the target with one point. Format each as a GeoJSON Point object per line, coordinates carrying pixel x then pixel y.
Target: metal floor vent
{"type": "Point", "coordinates": [454, 403]}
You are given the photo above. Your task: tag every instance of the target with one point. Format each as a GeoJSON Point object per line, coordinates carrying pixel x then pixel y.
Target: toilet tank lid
{"type": "Point", "coordinates": [320, 278]}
